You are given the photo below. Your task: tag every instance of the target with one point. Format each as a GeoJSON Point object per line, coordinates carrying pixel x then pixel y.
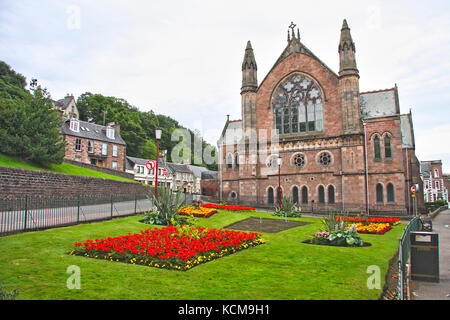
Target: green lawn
{"type": "Point", "coordinates": [8, 161]}
{"type": "Point", "coordinates": [282, 268]}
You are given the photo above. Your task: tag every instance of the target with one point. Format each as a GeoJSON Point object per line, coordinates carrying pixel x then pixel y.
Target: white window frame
{"type": "Point", "coordinates": [80, 145]}
{"type": "Point", "coordinates": [110, 132]}
{"type": "Point", "coordinates": [74, 125]}
{"type": "Point", "coordinates": [115, 150]}
{"type": "Point", "coordinates": [90, 146]}
{"type": "Point", "coordinates": [114, 165]}
{"type": "Point", "coordinates": [104, 149]}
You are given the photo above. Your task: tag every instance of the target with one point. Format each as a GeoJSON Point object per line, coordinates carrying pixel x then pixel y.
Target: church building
{"type": "Point", "coordinates": [312, 132]}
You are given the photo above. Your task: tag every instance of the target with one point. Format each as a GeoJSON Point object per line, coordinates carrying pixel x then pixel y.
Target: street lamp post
{"type": "Point", "coordinates": [158, 133]}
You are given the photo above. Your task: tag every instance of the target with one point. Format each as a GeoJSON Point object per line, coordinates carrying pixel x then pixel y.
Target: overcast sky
{"type": "Point", "coordinates": [183, 58]}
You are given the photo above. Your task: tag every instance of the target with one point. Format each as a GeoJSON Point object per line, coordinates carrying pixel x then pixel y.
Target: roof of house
{"type": "Point", "coordinates": [179, 167]}
{"type": "Point", "coordinates": [64, 102]}
{"type": "Point", "coordinates": [197, 171]}
{"type": "Point", "coordinates": [91, 131]}
{"type": "Point", "coordinates": [208, 174]}
{"type": "Point", "coordinates": [407, 131]}
{"type": "Point", "coordinates": [132, 161]}
{"type": "Point", "coordinates": [380, 103]}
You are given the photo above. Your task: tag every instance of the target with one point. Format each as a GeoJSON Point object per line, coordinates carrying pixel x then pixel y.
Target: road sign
{"type": "Point", "coordinates": [164, 171]}
{"type": "Point", "coordinates": [413, 189]}
{"type": "Point", "coordinates": [150, 164]}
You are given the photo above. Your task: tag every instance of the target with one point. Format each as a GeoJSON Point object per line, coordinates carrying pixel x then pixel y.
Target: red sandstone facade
{"type": "Point", "coordinates": [322, 127]}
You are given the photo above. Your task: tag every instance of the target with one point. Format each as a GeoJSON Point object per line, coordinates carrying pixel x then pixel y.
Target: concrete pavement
{"type": "Point", "coordinates": [422, 290]}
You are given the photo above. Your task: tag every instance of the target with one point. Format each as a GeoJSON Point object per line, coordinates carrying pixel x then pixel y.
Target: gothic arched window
{"type": "Point", "coordinates": [379, 191]}
{"type": "Point", "coordinates": [295, 195]}
{"type": "Point", "coordinates": [270, 195]}
{"type": "Point", "coordinates": [321, 194]}
{"type": "Point", "coordinates": [297, 103]}
{"type": "Point", "coordinates": [304, 195]}
{"type": "Point", "coordinates": [387, 147]}
{"type": "Point", "coordinates": [331, 194]}
{"type": "Point", "coordinates": [390, 193]}
{"type": "Point", "coordinates": [376, 147]}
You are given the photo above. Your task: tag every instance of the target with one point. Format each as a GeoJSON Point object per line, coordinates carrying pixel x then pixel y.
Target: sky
{"type": "Point", "coordinates": [183, 58]}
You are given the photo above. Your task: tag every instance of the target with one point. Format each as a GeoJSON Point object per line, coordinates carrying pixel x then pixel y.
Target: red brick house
{"type": "Point", "coordinates": [340, 149]}
{"type": "Point", "coordinates": [94, 144]}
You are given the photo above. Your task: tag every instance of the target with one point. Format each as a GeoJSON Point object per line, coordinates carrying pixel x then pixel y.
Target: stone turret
{"type": "Point", "coordinates": [349, 83]}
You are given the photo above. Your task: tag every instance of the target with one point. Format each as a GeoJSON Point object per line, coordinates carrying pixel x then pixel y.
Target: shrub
{"type": "Point", "coordinates": [287, 209]}
{"type": "Point", "coordinates": [167, 204]}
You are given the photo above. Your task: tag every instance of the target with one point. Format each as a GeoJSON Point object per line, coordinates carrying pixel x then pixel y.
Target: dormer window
{"type": "Point", "coordinates": [110, 132]}
{"type": "Point", "coordinates": [74, 125]}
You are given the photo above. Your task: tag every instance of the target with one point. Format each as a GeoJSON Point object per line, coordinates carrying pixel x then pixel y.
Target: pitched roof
{"type": "Point", "coordinates": [232, 132]}
{"type": "Point", "coordinates": [179, 167]}
{"type": "Point", "coordinates": [208, 174]}
{"type": "Point", "coordinates": [91, 131]}
{"type": "Point", "coordinates": [379, 103]}
{"type": "Point", "coordinates": [197, 171]}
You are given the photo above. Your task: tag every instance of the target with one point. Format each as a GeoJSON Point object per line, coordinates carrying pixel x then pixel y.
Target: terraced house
{"type": "Point", "coordinates": [311, 130]}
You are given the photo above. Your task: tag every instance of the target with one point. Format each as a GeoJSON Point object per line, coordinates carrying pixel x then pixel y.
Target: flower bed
{"type": "Point", "coordinates": [227, 207]}
{"type": "Point", "coordinates": [178, 248]}
{"type": "Point", "coordinates": [391, 221]}
{"type": "Point", "coordinates": [373, 228]}
{"type": "Point", "coordinates": [196, 211]}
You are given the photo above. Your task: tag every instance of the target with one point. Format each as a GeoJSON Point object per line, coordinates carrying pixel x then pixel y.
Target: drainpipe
{"type": "Point", "coordinates": [366, 167]}
{"type": "Point", "coordinates": [407, 181]}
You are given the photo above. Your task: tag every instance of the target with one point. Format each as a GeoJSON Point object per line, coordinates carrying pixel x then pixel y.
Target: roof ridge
{"type": "Point", "coordinates": [381, 90]}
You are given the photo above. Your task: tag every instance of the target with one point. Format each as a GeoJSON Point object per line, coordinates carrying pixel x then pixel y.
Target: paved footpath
{"type": "Point", "coordinates": [422, 290]}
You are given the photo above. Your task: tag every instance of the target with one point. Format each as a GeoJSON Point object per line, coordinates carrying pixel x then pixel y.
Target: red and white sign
{"type": "Point", "coordinates": [413, 189]}
{"type": "Point", "coordinates": [150, 164]}
{"type": "Point", "coordinates": [164, 171]}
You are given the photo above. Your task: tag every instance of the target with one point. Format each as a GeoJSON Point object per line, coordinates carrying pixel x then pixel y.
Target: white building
{"type": "Point", "coordinates": [434, 187]}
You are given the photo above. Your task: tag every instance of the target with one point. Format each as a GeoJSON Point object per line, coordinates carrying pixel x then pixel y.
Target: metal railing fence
{"type": "Point", "coordinates": [32, 213]}
{"type": "Point", "coordinates": [403, 255]}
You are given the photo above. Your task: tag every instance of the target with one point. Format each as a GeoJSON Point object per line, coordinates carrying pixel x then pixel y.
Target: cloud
{"type": "Point", "coordinates": [183, 58]}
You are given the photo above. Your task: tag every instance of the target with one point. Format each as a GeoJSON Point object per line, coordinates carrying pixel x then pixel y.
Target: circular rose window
{"type": "Point", "coordinates": [324, 159]}
{"type": "Point", "coordinates": [298, 160]}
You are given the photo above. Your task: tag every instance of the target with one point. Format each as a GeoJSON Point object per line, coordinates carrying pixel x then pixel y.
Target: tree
{"type": "Point", "coordinates": [30, 128]}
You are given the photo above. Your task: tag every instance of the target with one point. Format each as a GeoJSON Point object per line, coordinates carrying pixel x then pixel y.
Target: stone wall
{"type": "Point", "coordinates": [16, 183]}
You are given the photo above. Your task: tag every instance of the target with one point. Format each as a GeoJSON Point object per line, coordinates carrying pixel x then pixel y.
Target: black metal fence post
{"type": "Point", "coordinates": [111, 206]}
{"type": "Point", "coordinates": [78, 210]}
{"type": "Point", "coordinates": [26, 213]}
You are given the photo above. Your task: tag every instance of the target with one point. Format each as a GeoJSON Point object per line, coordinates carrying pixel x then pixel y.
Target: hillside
{"type": "Point", "coordinates": [15, 162]}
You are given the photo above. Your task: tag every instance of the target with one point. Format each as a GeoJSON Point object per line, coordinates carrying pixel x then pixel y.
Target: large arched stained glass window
{"type": "Point", "coordinates": [298, 105]}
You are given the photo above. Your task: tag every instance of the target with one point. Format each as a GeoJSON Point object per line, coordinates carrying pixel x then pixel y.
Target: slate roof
{"type": "Point", "coordinates": [90, 131]}
{"type": "Point", "coordinates": [208, 174]}
{"type": "Point", "coordinates": [64, 102]}
{"type": "Point", "coordinates": [407, 131]}
{"type": "Point", "coordinates": [380, 103]}
{"type": "Point", "coordinates": [197, 171]}
{"type": "Point", "coordinates": [179, 167]}
{"type": "Point", "coordinates": [232, 132]}
{"type": "Point", "coordinates": [131, 161]}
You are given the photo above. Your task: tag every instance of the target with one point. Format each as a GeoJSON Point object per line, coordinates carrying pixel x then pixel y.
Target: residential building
{"type": "Point", "coordinates": [435, 182]}
{"type": "Point", "coordinates": [340, 149]}
{"type": "Point", "coordinates": [138, 167]}
{"type": "Point", "coordinates": [209, 183]}
{"type": "Point", "coordinates": [94, 144]}
{"type": "Point", "coordinates": [197, 172]}
{"type": "Point", "coordinates": [67, 107]}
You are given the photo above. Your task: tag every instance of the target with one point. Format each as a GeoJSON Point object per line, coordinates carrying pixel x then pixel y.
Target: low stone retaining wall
{"type": "Point", "coordinates": [17, 183]}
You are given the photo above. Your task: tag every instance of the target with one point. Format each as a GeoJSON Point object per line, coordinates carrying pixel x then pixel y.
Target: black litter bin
{"type": "Point", "coordinates": [424, 256]}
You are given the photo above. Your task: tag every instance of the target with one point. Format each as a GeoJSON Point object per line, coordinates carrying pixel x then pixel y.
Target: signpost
{"type": "Point", "coordinates": [150, 165]}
